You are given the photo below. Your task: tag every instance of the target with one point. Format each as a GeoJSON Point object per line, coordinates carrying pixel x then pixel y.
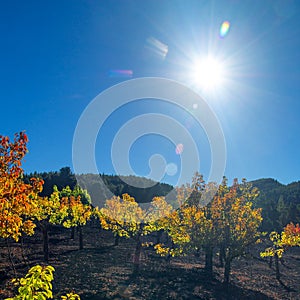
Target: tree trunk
{"type": "Point", "coordinates": [45, 243]}
{"type": "Point", "coordinates": [209, 261]}
{"type": "Point", "coordinates": [117, 238]}
{"type": "Point", "coordinates": [277, 266]}
{"type": "Point", "coordinates": [227, 271]}
{"type": "Point", "coordinates": [23, 253]}
{"type": "Point", "coordinates": [80, 238]}
{"type": "Point", "coordinates": [270, 261]}
{"type": "Point", "coordinates": [158, 236]}
{"type": "Point", "coordinates": [169, 256]}
{"type": "Point", "coordinates": [168, 259]}
{"type": "Point", "coordinates": [72, 233]}
{"type": "Point", "coordinates": [227, 256]}
{"type": "Point", "coordinates": [10, 257]}
{"type": "Point", "coordinates": [222, 256]}
{"type": "Point", "coordinates": [137, 255]}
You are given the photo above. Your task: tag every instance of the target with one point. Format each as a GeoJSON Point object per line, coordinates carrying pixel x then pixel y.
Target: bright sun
{"type": "Point", "coordinates": [208, 73]}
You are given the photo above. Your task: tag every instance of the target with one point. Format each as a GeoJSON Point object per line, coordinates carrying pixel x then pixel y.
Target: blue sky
{"type": "Point", "coordinates": [56, 56]}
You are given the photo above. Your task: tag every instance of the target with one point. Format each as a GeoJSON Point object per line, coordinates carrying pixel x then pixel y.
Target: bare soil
{"type": "Point", "coordinates": [104, 271]}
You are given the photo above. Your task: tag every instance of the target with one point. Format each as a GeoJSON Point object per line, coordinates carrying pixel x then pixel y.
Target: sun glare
{"type": "Point", "coordinates": [208, 73]}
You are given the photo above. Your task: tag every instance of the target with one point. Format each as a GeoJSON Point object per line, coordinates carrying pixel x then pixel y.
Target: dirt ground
{"type": "Point", "coordinates": [104, 271]}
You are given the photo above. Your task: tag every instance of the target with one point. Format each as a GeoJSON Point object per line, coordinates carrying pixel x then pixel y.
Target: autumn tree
{"type": "Point", "coordinates": [213, 217]}
{"type": "Point", "coordinates": [62, 208]}
{"type": "Point", "coordinates": [126, 218]}
{"type": "Point", "coordinates": [48, 212]}
{"type": "Point", "coordinates": [18, 200]}
{"type": "Point", "coordinates": [190, 227]}
{"type": "Point", "coordinates": [190, 231]}
{"type": "Point", "coordinates": [236, 220]}
{"type": "Point", "coordinates": [76, 208]}
{"type": "Point", "coordinates": [289, 237]}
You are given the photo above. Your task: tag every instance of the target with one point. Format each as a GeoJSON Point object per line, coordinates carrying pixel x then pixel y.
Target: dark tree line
{"type": "Point", "coordinates": [280, 203]}
{"type": "Point", "coordinates": [62, 178]}
{"type": "Point", "coordinates": [142, 189]}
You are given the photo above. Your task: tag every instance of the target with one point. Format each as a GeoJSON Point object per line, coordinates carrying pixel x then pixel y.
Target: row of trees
{"type": "Point", "coordinates": [228, 223]}
{"type": "Point", "coordinates": [208, 217]}
{"type": "Point", "coordinates": [22, 208]}
{"type": "Point", "coordinates": [280, 203]}
{"type": "Point", "coordinates": [281, 242]}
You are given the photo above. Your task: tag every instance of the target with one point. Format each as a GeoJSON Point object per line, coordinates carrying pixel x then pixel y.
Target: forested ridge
{"type": "Point", "coordinates": [280, 203]}
{"type": "Point", "coordinates": [98, 185]}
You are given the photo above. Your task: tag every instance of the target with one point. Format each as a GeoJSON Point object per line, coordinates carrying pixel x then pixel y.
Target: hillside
{"type": "Point", "coordinates": [280, 203]}
{"type": "Point", "coordinates": [101, 186]}
{"type": "Point", "coordinates": [141, 188]}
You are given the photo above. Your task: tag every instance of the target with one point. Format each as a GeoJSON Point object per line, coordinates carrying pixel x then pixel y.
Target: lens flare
{"type": "Point", "coordinates": [171, 169]}
{"type": "Point", "coordinates": [224, 29]}
{"type": "Point", "coordinates": [179, 149]}
{"type": "Point", "coordinates": [157, 47]}
{"type": "Point", "coordinates": [189, 122]}
{"type": "Point", "coordinates": [120, 73]}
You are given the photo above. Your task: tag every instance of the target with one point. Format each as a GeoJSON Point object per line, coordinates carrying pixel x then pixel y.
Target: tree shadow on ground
{"type": "Point", "coordinates": [176, 283]}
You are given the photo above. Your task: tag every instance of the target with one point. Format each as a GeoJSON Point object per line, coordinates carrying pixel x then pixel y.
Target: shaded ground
{"type": "Point", "coordinates": [104, 271]}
